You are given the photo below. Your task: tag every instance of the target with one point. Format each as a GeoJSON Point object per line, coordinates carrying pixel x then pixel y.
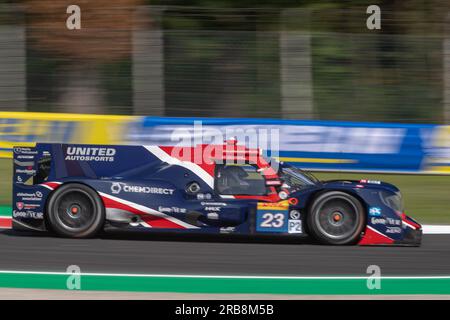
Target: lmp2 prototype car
{"type": "Point", "coordinates": [77, 190]}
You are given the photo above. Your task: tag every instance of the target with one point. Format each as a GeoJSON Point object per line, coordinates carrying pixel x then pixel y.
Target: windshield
{"type": "Point", "coordinates": [241, 179]}
{"type": "Point", "coordinates": [296, 178]}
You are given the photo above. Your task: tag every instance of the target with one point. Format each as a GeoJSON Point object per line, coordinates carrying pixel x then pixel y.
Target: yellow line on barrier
{"type": "Point", "coordinates": [61, 116]}
{"type": "Point", "coordinates": [12, 144]}
{"type": "Point", "coordinates": [6, 154]}
{"type": "Point", "coordinates": [439, 169]}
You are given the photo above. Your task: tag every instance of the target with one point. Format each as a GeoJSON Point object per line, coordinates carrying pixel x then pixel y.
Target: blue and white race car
{"type": "Point", "coordinates": [76, 190]}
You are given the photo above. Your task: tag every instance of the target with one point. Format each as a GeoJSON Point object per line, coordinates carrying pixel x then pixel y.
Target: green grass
{"type": "Point", "coordinates": [427, 197]}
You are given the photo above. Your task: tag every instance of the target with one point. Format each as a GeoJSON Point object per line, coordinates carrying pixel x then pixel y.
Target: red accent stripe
{"type": "Point", "coordinates": [52, 185]}
{"type": "Point", "coordinates": [372, 238]}
{"type": "Point", "coordinates": [273, 197]}
{"type": "Point", "coordinates": [154, 221]}
{"type": "Point", "coordinates": [407, 220]}
{"type": "Point", "coordinates": [6, 223]}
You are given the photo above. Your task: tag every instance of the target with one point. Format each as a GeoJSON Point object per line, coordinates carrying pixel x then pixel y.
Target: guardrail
{"type": "Point", "coordinates": [317, 145]}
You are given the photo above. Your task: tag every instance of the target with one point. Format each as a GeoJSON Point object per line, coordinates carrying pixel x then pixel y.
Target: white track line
{"type": "Point", "coordinates": [436, 229]}
{"type": "Point", "coordinates": [220, 276]}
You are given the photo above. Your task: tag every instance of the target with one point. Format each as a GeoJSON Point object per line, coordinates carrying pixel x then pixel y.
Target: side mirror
{"type": "Point", "coordinates": [283, 194]}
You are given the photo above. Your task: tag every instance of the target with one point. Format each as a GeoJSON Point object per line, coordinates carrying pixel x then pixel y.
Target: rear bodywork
{"type": "Point", "coordinates": [145, 187]}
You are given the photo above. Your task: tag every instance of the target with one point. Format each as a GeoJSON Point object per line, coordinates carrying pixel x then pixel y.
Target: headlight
{"type": "Point", "coordinates": [393, 200]}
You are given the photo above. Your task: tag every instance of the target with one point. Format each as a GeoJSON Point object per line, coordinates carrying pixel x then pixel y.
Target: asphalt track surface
{"type": "Point", "coordinates": [132, 253]}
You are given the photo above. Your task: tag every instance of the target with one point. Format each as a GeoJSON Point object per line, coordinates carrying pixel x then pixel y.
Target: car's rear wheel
{"type": "Point", "coordinates": [336, 218]}
{"type": "Point", "coordinates": [76, 211]}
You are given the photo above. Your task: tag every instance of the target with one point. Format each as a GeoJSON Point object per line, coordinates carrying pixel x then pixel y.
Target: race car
{"type": "Point", "coordinates": [76, 191]}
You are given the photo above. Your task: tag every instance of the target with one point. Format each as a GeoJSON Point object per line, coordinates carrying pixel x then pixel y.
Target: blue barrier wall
{"type": "Point", "coordinates": [319, 145]}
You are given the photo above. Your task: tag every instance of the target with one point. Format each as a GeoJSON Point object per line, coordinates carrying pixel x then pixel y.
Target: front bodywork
{"type": "Point", "coordinates": [145, 187]}
{"type": "Point", "coordinates": [386, 221]}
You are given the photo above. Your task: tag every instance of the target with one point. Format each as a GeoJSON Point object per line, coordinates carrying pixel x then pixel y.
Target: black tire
{"type": "Point", "coordinates": [75, 211]}
{"type": "Point", "coordinates": [336, 218]}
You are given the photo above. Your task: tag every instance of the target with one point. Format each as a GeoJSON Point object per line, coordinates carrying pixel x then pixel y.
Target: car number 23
{"type": "Point", "coordinates": [272, 220]}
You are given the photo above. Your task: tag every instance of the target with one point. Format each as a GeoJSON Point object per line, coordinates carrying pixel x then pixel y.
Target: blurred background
{"type": "Point", "coordinates": [284, 59]}
{"type": "Point", "coordinates": [277, 59]}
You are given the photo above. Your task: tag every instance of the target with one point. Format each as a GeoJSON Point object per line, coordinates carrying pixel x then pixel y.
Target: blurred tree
{"type": "Point", "coordinates": [104, 37]}
{"type": "Point", "coordinates": [393, 74]}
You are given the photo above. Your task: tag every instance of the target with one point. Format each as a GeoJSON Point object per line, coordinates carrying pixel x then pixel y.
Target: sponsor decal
{"type": "Point", "coordinates": [294, 214]}
{"type": "Point", "coordinates": [25, 196]}
{"type": "Point", "coordinates": [171, 209]}
{"type": "Point", "coordinates": [227, 229]}
{"type": "Point", "coordinates": [28, 214]}
{"type": "Point", "coordinates": [90, 154]}
{"type": "Point", "coordinates": [27, 157]}
{"type": "Point", "coordinates": [204, 196]}
{"type": "Point", "coordinates": [374, 211]}
{"type": "Point", "coordinates": [386, 221]}
{"type": "Point", "coordinates": [26, 171]}
{"type": "Point", "coordinates": [213, 204]}
{"type": "Point", "coordinates": [393, 230]}
{"type": "Point", "coordinates": [272, 217]}
{"type": "Point", "coordinates": [118, 187]}
{"type": "Point", "coordinates": [23, 150]}
{"type": "Point", "coordinates": [213, 209]}
{"type": "Point", "coordinates": [374, 220]}
{"type": "Point", "coordinates": [395, 222]}
{"type": "Point", "coordinates": [294, 226]}
{"type": "Point", "coordinates": [30, 206]}
{"type": "Point", "coordinates": [213, 215]}
{"type": "Point", "coordinates": [19, 205]}
{"type": "Point", "coordinates": [277, 205]}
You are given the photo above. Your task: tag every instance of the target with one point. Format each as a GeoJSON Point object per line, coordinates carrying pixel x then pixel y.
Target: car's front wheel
{"type": "Point", "coordinates": [336, 218]}
{"type": "Point", "coordinates": [74, 210]}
